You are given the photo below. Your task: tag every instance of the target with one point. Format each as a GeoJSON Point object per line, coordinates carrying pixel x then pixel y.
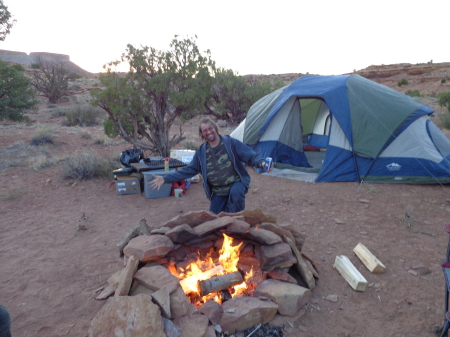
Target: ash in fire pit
{"type": "Point", "coordinates": [207, 273]}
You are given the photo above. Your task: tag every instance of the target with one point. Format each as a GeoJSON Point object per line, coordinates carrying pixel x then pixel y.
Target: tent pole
{"type": "Point", "coordinates": [356, 167]}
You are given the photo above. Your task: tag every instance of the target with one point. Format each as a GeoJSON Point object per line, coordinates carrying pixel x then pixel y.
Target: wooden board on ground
{"type": "Point", "coordinates": [369, 260]}
{"type": "Point", "coordinates": [345, 267]}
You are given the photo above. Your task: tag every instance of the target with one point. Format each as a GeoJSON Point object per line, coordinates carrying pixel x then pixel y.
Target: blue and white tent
{"type": "Point", "coordinates": [370, 133]}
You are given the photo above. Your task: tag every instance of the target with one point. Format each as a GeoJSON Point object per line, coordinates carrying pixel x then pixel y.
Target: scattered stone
{"type": "Point", "coordinates": [192, 218]}
{"type": "Point", "coordinates": [138, 288]}
{"type": "Point", "coordinates": [364, 201]}
{"type": "Point", "coordinates": [133, 316]}
{"type": "Point", "coordinates": [237, 227]}
{"type": "Point", "coordinates": [289, 297]}
{"type": "Point", "coordinates": [170, 329]}
{"type": "Point", "coordinates": [278, 255]}
{"type": "Point", "coordinates": [263, 236]}
{"type": "Point", "coordinates": [339, 221]}
{"type": "Point", "coordinates": [192, 325]}
{"type": "Point", "coordinates": [253, 217]}
{"type": "Point", "coordinates": [332, 298]}
{"type": "Point", "coordinates": [301, 266]}
{"type": "Point", "coordinates": [413, 272]}
{"type": "Point", "coordinates": [212, 226]}
{"type": "Point", "coordinates": [180, 305]}
{"type": "Point", "coordinates": [181, 233]}
{"type": "Point", "coordinates": [148, 248]}
{"type": "Point", "coordinates": [113, 282]}
{"type": "Point", "coordinates": [212, 310]}
{"type": "Point", "coordinates": [140, 229]}
{"type": "Point", "coordinates": [162, 230]}
{"type": "Point", "coordinates": [247, 312]}
{"type": "Point", "coordinates": [282, 275]}
{"type": "Point", "coordinates": [156, 278]}
{"type": "Point", "coordinates": [162, 299]}
{"type": "Point", "coordinates": [127, 277]}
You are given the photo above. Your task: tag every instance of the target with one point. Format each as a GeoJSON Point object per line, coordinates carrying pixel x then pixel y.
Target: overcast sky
{"type": "Point", "coordinates": [251, 37]}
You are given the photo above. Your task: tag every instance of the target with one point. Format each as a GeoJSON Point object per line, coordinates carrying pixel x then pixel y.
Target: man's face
{"type": "Point", "coordinates": [209, 133]}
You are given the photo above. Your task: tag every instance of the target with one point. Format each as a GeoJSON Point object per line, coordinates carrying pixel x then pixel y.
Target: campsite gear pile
{"type": "Point", "coordinates": [367, 131]}
{"type": "Point", "coordinates": [137, 172]}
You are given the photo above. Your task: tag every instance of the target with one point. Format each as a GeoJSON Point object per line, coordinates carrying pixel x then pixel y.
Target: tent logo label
{"type": "Point", "coordinates": [394, 167]}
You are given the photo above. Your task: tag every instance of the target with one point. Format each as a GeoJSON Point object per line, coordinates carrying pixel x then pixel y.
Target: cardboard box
{"type": "Point", "coordinates": [179, 154]}
{"type": "Point", "coordinates": [164, 190]}
{"type": "Point", "coordinates": [128, 184]}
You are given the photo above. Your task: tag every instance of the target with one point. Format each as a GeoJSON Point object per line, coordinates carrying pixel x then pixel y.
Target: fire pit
{"type": "Point", "coordinates": [207, 273]}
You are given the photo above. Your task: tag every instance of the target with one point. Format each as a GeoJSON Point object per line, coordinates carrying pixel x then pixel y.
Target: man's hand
{"type": "Point", "coordinates": [157, 182]}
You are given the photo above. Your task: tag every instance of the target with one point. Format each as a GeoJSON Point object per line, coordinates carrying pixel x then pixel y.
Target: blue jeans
{"type": "Point", "coordinates": [232, 203]}
{"type": "Point", "coordinates": [5, 322]}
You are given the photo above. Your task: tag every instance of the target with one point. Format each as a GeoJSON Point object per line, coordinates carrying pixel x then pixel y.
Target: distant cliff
{"type": "Point", "coordinates": [27, 60]}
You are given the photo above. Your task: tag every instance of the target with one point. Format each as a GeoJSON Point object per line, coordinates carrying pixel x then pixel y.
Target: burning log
{"type": "Point", "coordinates": [218, 283]}
{"type": "Point", "coordinates": [189, 282]}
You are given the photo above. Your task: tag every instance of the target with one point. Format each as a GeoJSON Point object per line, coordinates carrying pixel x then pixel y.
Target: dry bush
{"type": "Point", "coordinates": [44, 134]}
{"type": "Point", "coordinates": [84, 115]}
{"type": "Point", "coordinates": [43, 161]}
{"type": "Point", "coordinates": [86, 165]}
{"type": "Point", "coordinates": [16, 155]}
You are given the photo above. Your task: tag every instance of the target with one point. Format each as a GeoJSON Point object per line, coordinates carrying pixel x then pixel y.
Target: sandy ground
{"type": "Point", "coordinates": [51, 268]}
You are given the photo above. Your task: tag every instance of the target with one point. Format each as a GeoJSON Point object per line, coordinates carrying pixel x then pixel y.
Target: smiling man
{"type": "Point", "coordinates": [220, 160]}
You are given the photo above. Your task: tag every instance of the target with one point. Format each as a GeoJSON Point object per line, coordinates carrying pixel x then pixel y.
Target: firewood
{"type": "Point", "coordinates": [350, 273]}
{"type": "Point", "coordinates": [220, 282]}
{"type": "Point", "coordinates": [185, 283]}
{"type": "Point", "coordinates": [369, 260]}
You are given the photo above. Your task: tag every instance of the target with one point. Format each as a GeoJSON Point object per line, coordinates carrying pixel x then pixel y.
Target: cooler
{"type": "Point", "coordinates": [165, 189]}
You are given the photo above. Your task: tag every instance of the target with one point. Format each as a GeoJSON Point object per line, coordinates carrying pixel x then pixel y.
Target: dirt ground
{"type": "Point", "coordinates": [58, 241]}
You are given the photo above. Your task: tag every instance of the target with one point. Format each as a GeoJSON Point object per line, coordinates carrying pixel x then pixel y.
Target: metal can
{"type": "Point", "coordinates": [268, 164]}
{"type": "Point", "coordinates": [166, 164]}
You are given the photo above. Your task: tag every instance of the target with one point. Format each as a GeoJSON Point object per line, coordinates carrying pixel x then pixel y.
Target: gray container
{"type": "Point", "coordinates": [164, 190]}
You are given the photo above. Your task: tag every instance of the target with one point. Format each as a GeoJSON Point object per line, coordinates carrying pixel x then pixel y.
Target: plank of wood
{"type": "Point", "coordinates": [220, 282]}
{"type": "Point", "coordinates": [348, 271]}
{"type": "Point", "coordinates": [369, 260]}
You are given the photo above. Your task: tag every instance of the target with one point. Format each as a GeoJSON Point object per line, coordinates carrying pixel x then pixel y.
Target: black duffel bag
{"type": "Point", "coordinates": [131, 156]}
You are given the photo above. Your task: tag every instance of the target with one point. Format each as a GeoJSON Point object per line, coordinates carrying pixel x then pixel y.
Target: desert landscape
{"type": "Point", "coordinates": [58, 237]}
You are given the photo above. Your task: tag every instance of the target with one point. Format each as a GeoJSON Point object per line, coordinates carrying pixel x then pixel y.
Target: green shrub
{"type": "Point", "coordinates": [83, 115]}
{"type": "Point", "coordinates": [43, 135]}
{"type": "Point", "coordinates": [413, 93]}
{"type": "Point", "coordinates": [444, 100]}
{"type": "Point", "coordinates": [443, 80]}
{"type": "Point", "coordinates": [403, 81]}
{"type": "Point", "coordinates": [18, 67]}
{"type": "Point", "coordinates": [85, 165]}
{"type": "Point", "coordinates": [73, 76]}
{"type": "Point", "coordinates": [445, 120]}
{"type": "Point", "coordinates": [35, 66]}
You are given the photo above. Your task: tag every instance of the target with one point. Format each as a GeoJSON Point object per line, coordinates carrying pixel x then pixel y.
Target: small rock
{"type": "Point", "coordinates": [412, 272]}
{"type": "Point", "coordinates": [332, 298]}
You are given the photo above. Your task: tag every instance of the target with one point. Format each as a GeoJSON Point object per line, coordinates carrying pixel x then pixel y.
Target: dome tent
{"type": "Point", "coordinates": [370, 133]}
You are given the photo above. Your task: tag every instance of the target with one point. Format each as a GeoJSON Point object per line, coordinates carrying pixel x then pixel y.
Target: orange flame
{"type": "Point", "coordinates": [203, 269]}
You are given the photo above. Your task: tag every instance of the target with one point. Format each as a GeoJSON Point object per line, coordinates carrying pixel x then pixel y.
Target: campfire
{"type": "Point", "coordinates": [217, 273]}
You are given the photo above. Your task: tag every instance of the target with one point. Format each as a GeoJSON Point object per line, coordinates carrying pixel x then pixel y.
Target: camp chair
{"type": "Point", "coordinates": [446, 269]}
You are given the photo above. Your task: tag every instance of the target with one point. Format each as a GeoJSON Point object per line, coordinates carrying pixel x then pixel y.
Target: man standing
{"type": "Point", "coordinates": [220, 160]}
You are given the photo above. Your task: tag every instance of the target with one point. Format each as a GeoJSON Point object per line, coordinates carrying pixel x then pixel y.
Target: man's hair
{"type": "Point", "coordinates": [206, 121]}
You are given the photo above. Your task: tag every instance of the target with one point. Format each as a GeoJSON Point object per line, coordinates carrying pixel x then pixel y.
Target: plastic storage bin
{"type": "Point", "coordinates": [165, 189]}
